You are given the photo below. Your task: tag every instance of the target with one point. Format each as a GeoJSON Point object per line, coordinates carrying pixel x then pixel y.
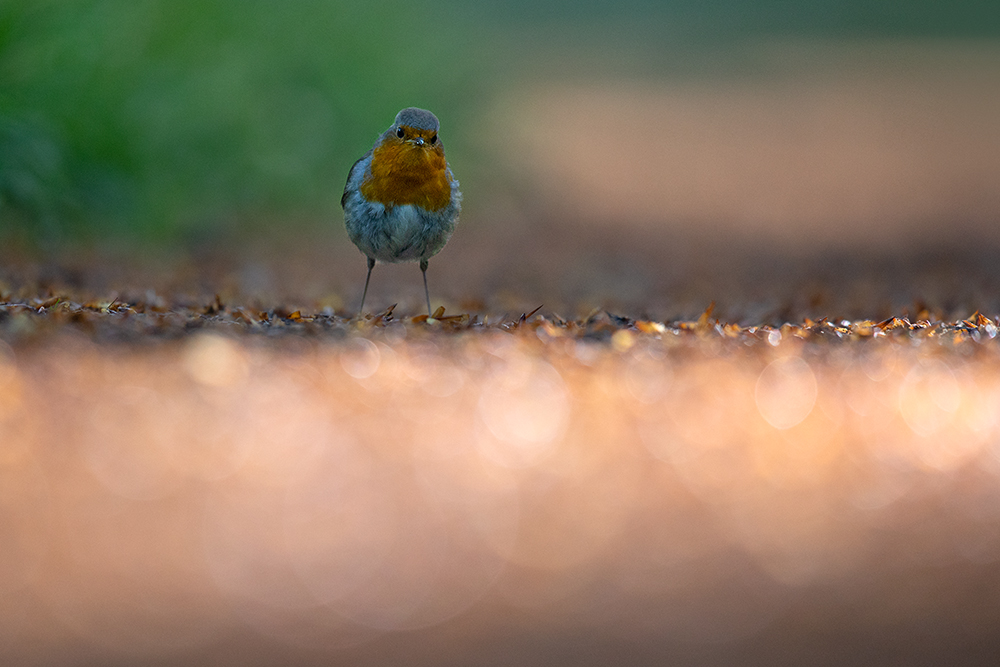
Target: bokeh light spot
{"type": "Point", "coordinates": [214, 360]}
{"type": "Point", "coordinates": [929, 397]}
{"type": "Point", "coordinates": [360, 358]}
{"type": "Point", "coordinates": [525, 408]}
{"type": "Point", "coordinates": [786, 392]}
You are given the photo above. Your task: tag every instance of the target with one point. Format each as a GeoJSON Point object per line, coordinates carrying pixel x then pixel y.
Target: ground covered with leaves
{"type": "Point", "coordinates": [156, 317]}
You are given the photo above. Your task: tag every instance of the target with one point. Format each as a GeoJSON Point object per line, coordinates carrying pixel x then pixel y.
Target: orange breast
{"type": "Point", "coordinates": [403, 173]}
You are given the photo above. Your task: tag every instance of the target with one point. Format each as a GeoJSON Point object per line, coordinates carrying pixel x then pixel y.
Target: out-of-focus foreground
{"type": "Point", "coordinates": [530, 492]}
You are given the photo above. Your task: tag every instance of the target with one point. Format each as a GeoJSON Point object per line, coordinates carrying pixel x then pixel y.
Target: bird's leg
{"type": "Point", "coordinates": [371, 265]}
{"type": "Point", "coordinates": [423, 269]}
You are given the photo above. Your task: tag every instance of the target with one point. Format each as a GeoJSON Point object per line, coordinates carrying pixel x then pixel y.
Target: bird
{"type": "Point", "coordinates": [401, 200]}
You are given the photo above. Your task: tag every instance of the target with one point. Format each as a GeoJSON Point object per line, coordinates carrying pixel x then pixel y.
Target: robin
{"type": "Point", "coordinates": [401, 201]}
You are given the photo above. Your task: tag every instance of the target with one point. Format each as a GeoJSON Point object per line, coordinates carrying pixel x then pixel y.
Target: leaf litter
{"type": "Point", "coordinates": [157, 318]}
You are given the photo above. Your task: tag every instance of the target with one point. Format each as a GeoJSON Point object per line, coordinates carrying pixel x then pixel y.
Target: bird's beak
{"type": "Point", "coordinates": [419, 141]}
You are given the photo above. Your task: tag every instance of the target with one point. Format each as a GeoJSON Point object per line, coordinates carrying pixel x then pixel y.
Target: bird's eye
{"type": "Point", "coordinates": [434, 139]}
{"type": "Point", "coordinates": [399, 132]}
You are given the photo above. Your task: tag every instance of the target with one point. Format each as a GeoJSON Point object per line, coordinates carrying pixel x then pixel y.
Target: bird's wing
{"type": "Point", "coordinates": [350, 177]}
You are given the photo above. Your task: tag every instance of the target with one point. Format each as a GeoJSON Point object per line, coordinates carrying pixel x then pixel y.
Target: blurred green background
{"type": "Point", "coordinates": [166, 122]}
